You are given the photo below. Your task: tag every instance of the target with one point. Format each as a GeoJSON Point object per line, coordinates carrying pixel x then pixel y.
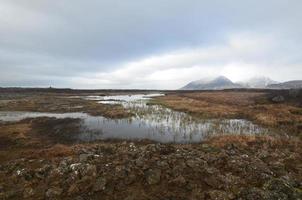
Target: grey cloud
{"type": "Point", "coordinates": [42, 40]}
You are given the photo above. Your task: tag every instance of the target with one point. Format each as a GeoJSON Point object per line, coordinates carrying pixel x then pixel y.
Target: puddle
{"type": "Point", "coordinates": [152, 122]}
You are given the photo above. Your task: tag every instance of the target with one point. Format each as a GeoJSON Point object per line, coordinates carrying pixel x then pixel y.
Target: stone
{"type": "Point", "coordinates": [153, 176]}
{"type": "Point", "coordinates": [212, 181]}
{"type": "Point", "coordinates": [252, 194]}
{"type": "Point", "coordinates": [278, 99]}
{"type": "Point", "coordinates": [88, 170]}
{"type": "Point", "coordinates": [280, 187]}
{"type": "Point", "coordinates": [191, 163]}
{"type": "Point", "coordinates": [54, 192]}
{"type": "Point", "coordinates": [73, 189]}
{"type": "Point", "coordinates": [28, 192]}
{"type": "Point", "coordinates": [84, 157]}
{"type": "Point", "coordinates": [179, 181]}
{"type": "Point", "coordinates": [100, 184]}
{"type": "Point", "coordinates": [217, 195]}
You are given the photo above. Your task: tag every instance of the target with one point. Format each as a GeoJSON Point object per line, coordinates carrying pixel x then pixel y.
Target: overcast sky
{"type": "Point", "coordinates": [152, 44]}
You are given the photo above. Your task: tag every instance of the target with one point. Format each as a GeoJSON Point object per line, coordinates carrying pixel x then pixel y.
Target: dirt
{"type": "Point", "coordinates": [40, 160]}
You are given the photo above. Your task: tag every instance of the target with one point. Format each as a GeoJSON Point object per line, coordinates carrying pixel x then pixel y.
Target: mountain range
{"type": "Point", "coordinates": [221, 82]}
{"type": "Point", "coordinates": [217, 83]}
{"type": "Point", "coordinates": [296, 84]}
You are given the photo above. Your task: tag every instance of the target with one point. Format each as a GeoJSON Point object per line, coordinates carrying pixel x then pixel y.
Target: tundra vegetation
{"type": "Point", "coordinates": [39, 160]}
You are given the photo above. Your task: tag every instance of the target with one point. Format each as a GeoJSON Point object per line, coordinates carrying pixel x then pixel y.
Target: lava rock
{"type": "Point", "coordinates": [153, 176]}
{"type": "Point", "coordinates": [278, 99]}
{"type": "Point", "coordinates": [54, 192]}
{"type": "Point", "coordinates": [100, 184]}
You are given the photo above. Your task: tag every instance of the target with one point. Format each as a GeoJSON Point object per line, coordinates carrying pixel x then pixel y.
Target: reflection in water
{"type": "Point", "coordinates": [152, 122]}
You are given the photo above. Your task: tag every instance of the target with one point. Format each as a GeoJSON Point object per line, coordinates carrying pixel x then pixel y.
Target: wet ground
{"type": "Point", "coordinates": [152, 122]}
{"type": "Point", "coordinates": [181, 146]}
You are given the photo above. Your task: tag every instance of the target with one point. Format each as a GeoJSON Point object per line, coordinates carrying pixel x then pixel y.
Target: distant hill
{"type": "Point", "coordinates": [287, 85]}
{"type": "Point", "coordinates": [258, 82]}
{"type": "Point", "coordinates": [217, 83]}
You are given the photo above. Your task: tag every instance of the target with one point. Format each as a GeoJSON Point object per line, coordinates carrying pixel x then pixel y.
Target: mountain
{"type": "Point", "coordinates": [287, 85]}
{"type": "Point", "coordinates": [258, 82]}
{"type": "Point", "coordinates": [217, 83]}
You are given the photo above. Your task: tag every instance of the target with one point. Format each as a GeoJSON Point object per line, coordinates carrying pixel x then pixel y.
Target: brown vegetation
{"type": "Point", "coordinates": [38, 161]}
{"type": "Point", "coordinates": [228, 167]}
{"type": "Point", "coordinates": [61, 103]}
{"type": "Point", "coordinates": [255, 106]}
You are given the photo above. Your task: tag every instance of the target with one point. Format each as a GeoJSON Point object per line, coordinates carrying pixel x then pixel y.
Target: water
{"type": "Point", "coordinates": [152, 122]}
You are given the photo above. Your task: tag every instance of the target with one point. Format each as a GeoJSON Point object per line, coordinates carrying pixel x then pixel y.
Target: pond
{"type": "Point", "coordinates": [153, 122]}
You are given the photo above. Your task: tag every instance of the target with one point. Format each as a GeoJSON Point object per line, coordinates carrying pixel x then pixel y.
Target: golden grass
{"type": "Point", "coordinates": [57, 150]}
{"type": "Point", "coordinates": [247, 140]}
{"type": "Point", "coordinates": [250, 105]}
{"type": "Point", "coordinates": [61, 104]}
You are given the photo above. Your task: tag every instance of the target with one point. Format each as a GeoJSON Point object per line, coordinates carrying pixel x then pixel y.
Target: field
{"type": "Point", "coordinates": [39, 159]}
{"type": "Point", "coordinates": [253, 105]}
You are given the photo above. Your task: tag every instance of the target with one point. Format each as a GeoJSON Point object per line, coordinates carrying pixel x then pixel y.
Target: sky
{"type": "Point", "coordinates": [140, 44]}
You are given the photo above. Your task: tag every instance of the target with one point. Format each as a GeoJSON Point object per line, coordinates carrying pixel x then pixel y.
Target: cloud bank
{"type": "Point", "coordinates": [147, 44]}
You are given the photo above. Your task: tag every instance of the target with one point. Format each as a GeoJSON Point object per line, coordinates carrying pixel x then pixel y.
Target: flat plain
{"type": "Point", "coordinates": [41, 159]}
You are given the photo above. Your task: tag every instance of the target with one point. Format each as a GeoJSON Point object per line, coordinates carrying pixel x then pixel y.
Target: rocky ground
{"type": "Point", "coordinates": [39, 161]}
{"type": "Point", "coordinates": [235, 167]}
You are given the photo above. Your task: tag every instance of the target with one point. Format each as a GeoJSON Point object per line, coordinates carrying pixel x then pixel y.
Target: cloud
{"type": "Point", "coordinates": [146, 44]}
{"type": "Point", "coordinates": [243, 56]}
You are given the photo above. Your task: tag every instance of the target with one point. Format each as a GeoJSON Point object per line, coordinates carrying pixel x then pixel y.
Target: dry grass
{"type": "Point", "coordinates": [250, 105]}
{"type": "Point", "coordinates": [248, 140]}
{"type": "Point", "coordinates": [13, 134]}
{"type": "Point", "coordinates": [60, 103]}
{"type": "Point", "coordinates": [57, 150]}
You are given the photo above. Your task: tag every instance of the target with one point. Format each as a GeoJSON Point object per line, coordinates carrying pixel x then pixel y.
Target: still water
{"type": "Point", "coordinates": [152, 122]}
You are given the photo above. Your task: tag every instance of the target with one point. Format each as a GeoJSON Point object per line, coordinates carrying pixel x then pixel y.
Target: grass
{"type": "Point", "coordinates": [247, 140]}
{"type": "Point", "coordinates": [255, 106]}
{"type": "Point", "coordinates": [60, 103]}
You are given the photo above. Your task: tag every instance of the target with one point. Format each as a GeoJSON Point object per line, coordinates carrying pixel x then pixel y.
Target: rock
{"type": "Point", "coordinates": [140, 162]}
{"type": "Point", "coordinates": [178, 181]}
{"type": "Point", "coordinates": [55, 174]}
{"type": "Point", "coordinates": [85, 157]}
{"type": "Point", "coordinates": [53, 192]}
{"type": "Point", "coordinates": [24, 173]}
{"type": "Point", "coordinates": [75, 167]}
{"type": "Point", "coordinates": [217, 195]}
{"type": "Point", "coordinates": [130, 178]}
{"type": "Point", "coordinates": [252, 194]}
{"type": "Point", "coordinates": [88, 170]}
{"type": "Point", "coordinates": [153, 176]}
{"type": "Point", "coordinates": [85, 184]}
{"type": "Point", "coordinates": [192, 163]}
{"type": "Point", "coordinates": [282, 188]}
{"type": "Point", "coordinates": [73, 189]}
{"type": "Point", "coordinates": [28, 192]}
{"type": "Point", "coordinates": [208, 149]}
{"type": "Point", "coordinates": [162, 164]}
{"type": "Point", "coordinates": [278, 99]}
{"type": "Point", "coordinates": [295, 92]}
{"type": "Point", "coordinates": [178, 169]}
{"type": "Point", "coordinates": [212, 181]}
{"type": "Point", "coordinates": [100, 184]}
{"type": "Point", "coordinates": [12, 194]}
{"type": "Point", "coordinates": [130, 197]}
